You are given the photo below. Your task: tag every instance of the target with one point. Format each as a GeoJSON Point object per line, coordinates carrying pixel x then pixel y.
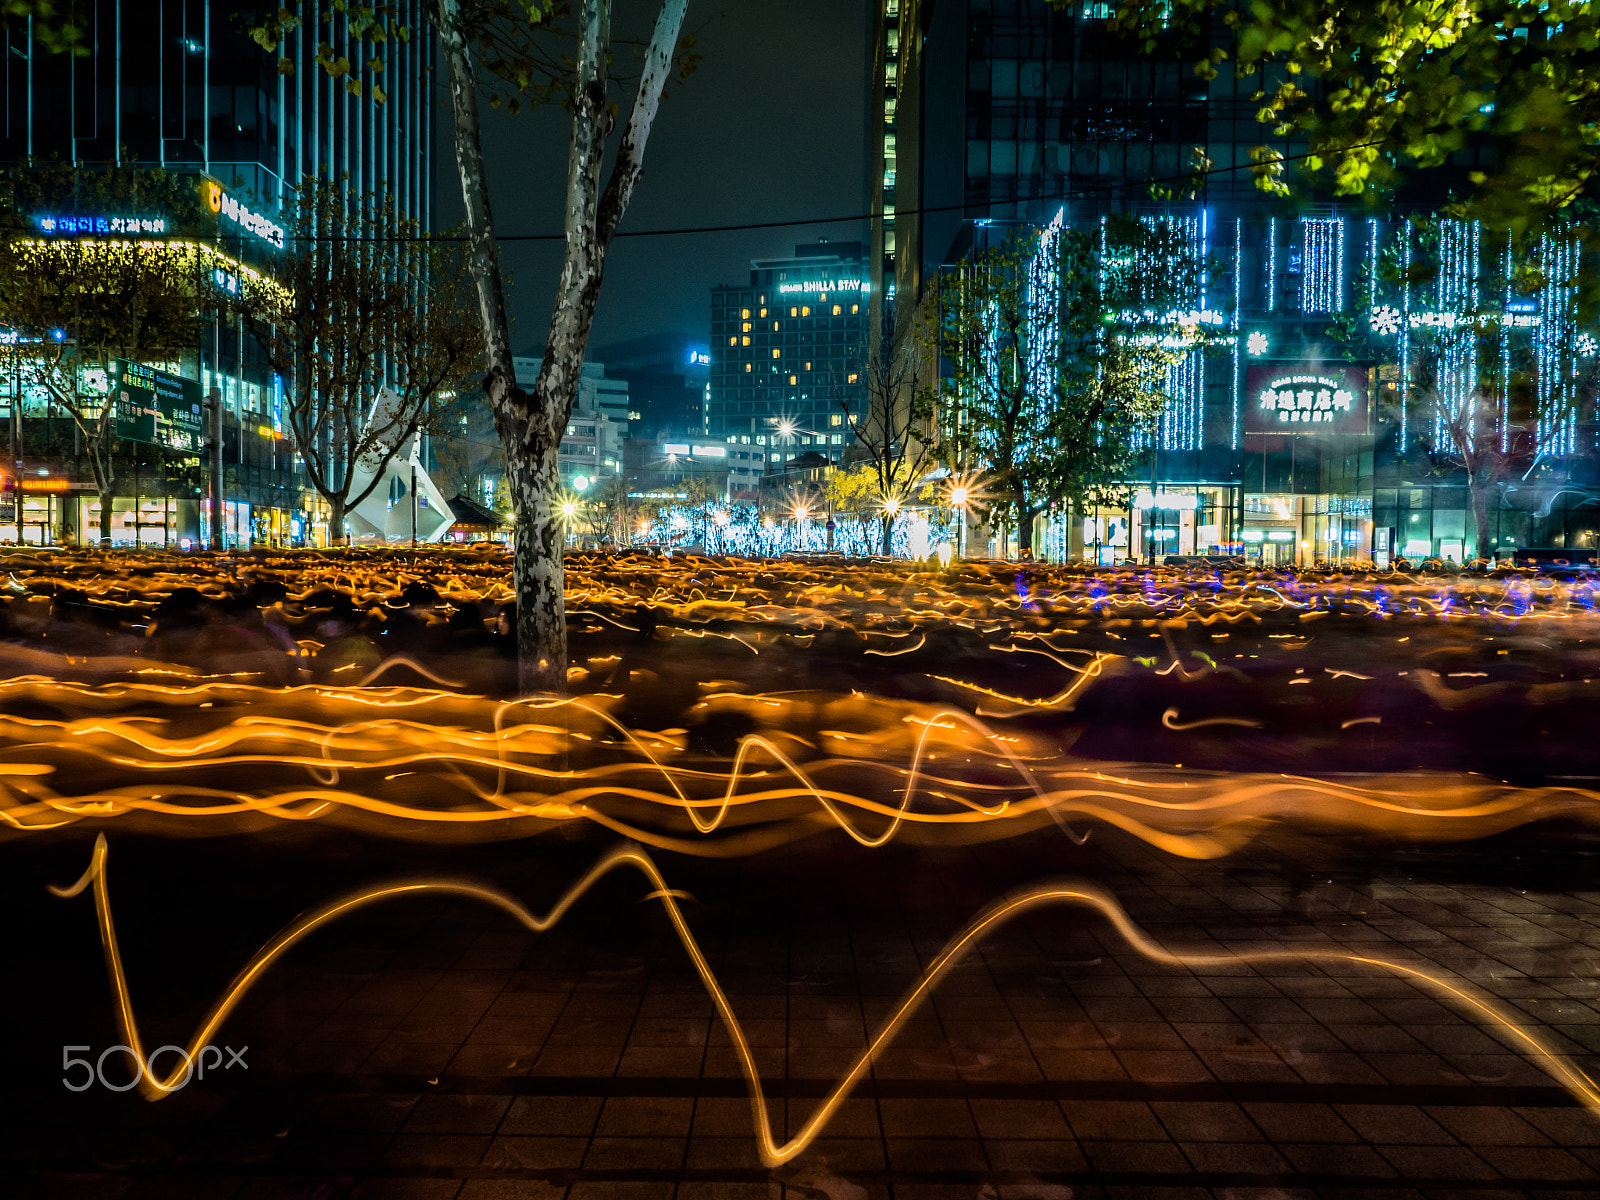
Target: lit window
{"type": "Point", "coordinates": [794, 312]}
{"type": "Point", "coordinates": [763, 311]}
{"type": "Point", "coordinates": [776, 352]}
{"type": "Point", "coordinates": [805, 310]}
{"type": "Point", "coordinates": [855, 309]}
{"type": "Point", "coordinates": [744, 314]}
{"type": "Point", "coordinates": [838, 310]}
{"type": "Point", "coordinates": [745, 328]}
{"type": "Point", "coordinates": [761, 439]}
{"type": "Point", "coordinates": [808, 366]}
{"type": "Point", "coordinates": [793, 379]}
{"type": "Point", "coordinates": [838, 439]}
{"type": "Point", "coordinates": [746, 341]}
{"type": "Point", "coordinates": [733, 341]}
{"type": "Point", "coordinates": [836, 419]}
{"type": "Point", "coordinates": [747, 368]}
{"type": "Point", "coordinates": [850, 379]}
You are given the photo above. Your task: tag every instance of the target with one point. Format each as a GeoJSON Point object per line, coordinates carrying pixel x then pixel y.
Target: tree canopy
{"type": "Point", "coordinates": [1505, 91]}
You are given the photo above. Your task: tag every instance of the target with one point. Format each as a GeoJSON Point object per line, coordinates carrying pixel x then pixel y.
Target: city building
{"type": "Point", "coordinates": [787, 350]}
{"type": "Point", "coordinates": [181, 86]}
{"type": "Point", "coordinates": [667, 375]}
{"type": "Point", "coordinates": [1058, 116]}
{"type": "Point", "coordinates": [593, 446]}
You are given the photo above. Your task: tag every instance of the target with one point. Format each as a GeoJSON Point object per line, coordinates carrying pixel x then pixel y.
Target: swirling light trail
{"type": "Point", "coordinates": [774, 1153]}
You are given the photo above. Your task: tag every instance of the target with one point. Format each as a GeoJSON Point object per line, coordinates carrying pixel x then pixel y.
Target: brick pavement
{"type": "Point", "coordinates": [432, 1049]}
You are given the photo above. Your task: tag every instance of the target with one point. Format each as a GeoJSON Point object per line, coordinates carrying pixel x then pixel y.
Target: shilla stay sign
{"type": "Point", "coordinates": [1288, 397]}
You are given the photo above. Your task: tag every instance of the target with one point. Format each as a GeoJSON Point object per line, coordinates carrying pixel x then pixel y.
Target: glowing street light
{"type": "Point", "coordinates": [891, 505]}
{"type": "Point", "coordinates": [568, 508]}
{"type": "Point", "coordinates": [958, 497]}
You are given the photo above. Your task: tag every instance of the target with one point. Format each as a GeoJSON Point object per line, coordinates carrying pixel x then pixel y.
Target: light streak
{"type": "Point", "coordinates": [1510, 1027]}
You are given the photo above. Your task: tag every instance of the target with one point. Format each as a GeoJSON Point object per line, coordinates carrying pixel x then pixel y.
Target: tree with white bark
{"type": "Point", "coordinates": [544, 52]}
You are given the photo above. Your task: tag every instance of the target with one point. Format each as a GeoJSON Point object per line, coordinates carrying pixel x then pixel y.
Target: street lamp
{"type": "Point", "coordinates": [800, 524]}
{"type": "Point", "coordinates": [958, 497]}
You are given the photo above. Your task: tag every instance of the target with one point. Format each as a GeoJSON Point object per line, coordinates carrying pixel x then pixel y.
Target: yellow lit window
{"type": "Point", "coordinates": [733, 341]}
{"type": "Point", "coordinates": [805, 310]}
{"type": "Point", "coordinates": [808, 366]}
{"type": "Point", "coordinates": [747, 368]}
{"type": "Point", "coordinates": [763, 300]}
{"type": "Point", "coordinates": [851, 379]}
{"type": "Point", "coordinates": [838, 310]}
{"type": "Point", "coordinates": [745, 341]}
{"type": "Point", "coordinates": [763, 312]}
{"type": "Point", "coordinates": [744, 314]}
{"type": "Point", "coordinates": [776, 352]}
{"type": "Point", "coordinates": [836, 419]}
{"type": "Point", "coordinates": [775, 326]}
{"type": "Point", "coordinates": [794, 312]}
{"type": "Point", "coordinates": [855, 309]}
{"type": "Point", "coordinates": [794, 379]}
{"type": "Point", "coordinates": [745, 327]}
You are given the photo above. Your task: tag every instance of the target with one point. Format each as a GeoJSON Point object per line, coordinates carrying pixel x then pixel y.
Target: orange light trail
{"type": "Point", "coordinates": [773, 1152]}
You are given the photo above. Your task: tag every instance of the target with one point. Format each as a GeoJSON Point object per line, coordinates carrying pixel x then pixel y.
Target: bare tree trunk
{"type": "Point", "coordinates": [106, 497]}
{"type": "Point", "coordinates": [888, 535]}
{"type": "Point", "coordinates": [534, 476]}
{"type": "Point", "coordinates": [1478, 494]}
{"type": "Point", "coordinates": [336, 516]}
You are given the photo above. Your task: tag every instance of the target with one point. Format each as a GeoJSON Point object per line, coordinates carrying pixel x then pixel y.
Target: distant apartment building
{"type": "Point", "coordinates": [786, 354]}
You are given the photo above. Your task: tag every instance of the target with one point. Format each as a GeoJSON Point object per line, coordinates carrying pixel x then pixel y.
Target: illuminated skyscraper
{"type": "Point", "coordinates": [179, 84]}
{"type": "Point", "coordinates": [786, 350]}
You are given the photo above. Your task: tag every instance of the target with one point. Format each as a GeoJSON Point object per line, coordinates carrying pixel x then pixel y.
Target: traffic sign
{"type": "Point", "coordinates": [156, 407]}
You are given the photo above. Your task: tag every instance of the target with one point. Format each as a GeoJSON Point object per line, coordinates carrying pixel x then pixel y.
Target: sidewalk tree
{"type": "Point", "coordinates": [1486, 398]}
{"type": "Point", "coordinates": [1055, 346]}
{"type": "Point", "coordinates": [541, 52]}
{"type": "Point", "coordinates": [368, 332]}
{"type": "Point", "coordinates": [893, 442]}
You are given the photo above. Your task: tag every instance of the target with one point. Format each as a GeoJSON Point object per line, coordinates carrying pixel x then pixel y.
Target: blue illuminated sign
{"type": "Point", "coordinates": [80, 226]}
{"type": "Point", "coordinates": [277, 403]}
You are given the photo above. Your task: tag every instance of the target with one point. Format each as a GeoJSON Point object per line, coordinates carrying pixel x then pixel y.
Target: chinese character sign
{"type": "Point", "coordinates": [1287, 398]}
{"type": "Point", "coordinates": [156, 407]}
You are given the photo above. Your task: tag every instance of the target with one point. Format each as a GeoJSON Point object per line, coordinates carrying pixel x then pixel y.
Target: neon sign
{"type": "Point", "coordinates": [218, 201]}
{"type": "Point", "coordinates": [1284, 399]}
{"type": "Point", "coordinates": [825, 285]}
{"type": "Point", "coordinates": [82, 226]}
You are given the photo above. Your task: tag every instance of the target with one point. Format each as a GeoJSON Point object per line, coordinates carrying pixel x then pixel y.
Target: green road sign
{"type": "Point", "coordinates": [156, 407]}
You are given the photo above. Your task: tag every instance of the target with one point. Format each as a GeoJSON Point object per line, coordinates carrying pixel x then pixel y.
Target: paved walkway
{"type": "Point", "coordinates": [431, 1049]}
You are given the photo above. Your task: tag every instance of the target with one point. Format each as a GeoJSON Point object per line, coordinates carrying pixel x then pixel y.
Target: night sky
{"type": "Point", "coordinates": [770, 127]}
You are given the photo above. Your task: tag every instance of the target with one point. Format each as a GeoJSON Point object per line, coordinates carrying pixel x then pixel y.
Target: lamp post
{"type": "Point", "coordinates": [958, 497]}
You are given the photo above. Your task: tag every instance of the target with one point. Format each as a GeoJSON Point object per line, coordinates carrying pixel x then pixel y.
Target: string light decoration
{"type": "Point", "coordinates": [1586, 345]}
{"type": "Point", "coordinates": [1403, 347]}
{"type": "Point", "coordinates": [1372, 263]}
{"type": "Point", "coordinates": [1459, 285]}
{"type": "Point", "coordinates": [1238, 277]}
{"type": "Point", "coordinates": [1554, 380]}
{"type": "Point", "coordinates": [1505, 337]}
{"type": "Point", "coordinates": [1322, 264]}
{"type": "Point", "coordinates": [1182, 421]}
{"type": "Point", "coordinates": [1272, 264]}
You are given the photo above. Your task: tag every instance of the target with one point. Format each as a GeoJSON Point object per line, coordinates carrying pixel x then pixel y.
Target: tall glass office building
{"type": "Point", "coordinates": [179, 85]}
{"type": "Point", "coordinates": [1060, 116]}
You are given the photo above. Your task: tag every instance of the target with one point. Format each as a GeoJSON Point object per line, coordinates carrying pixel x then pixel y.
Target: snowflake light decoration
{"type": "Point", "coordinates": [1256, 343]}
{"type": "Point", "coordinates": [1385, 320]}
{"type": "Point", "coordinates": [1585, 344]}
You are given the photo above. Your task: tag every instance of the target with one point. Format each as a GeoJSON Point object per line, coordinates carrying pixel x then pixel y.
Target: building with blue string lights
{"type": "Point", "coordinates": [1330, 416]}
